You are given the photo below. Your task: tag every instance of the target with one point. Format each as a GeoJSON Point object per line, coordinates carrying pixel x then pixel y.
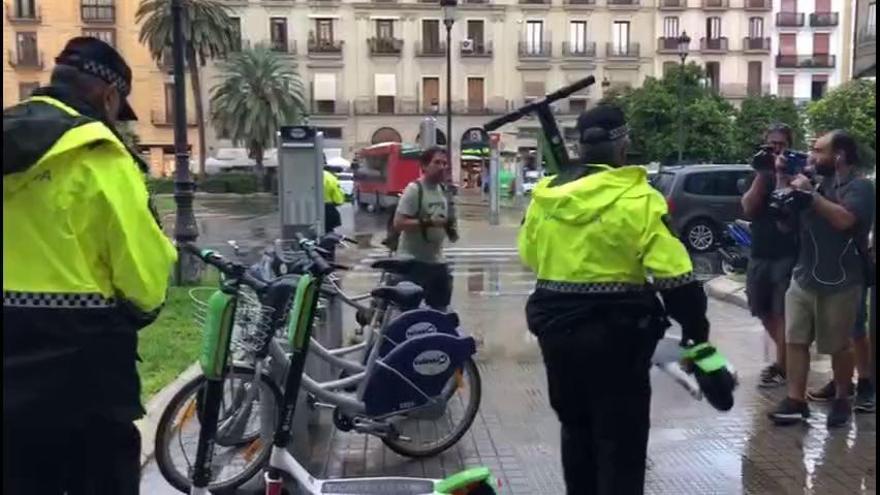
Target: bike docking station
{"type": "Point", "coordinates": [301, 206]}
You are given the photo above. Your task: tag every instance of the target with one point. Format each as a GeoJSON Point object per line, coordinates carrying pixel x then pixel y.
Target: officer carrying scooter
{"type": "Point", "coordinates": [596, 236]}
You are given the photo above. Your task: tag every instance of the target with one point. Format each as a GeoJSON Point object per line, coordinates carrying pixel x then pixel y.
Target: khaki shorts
{"type": "Point", "coordinates": [826, 318]}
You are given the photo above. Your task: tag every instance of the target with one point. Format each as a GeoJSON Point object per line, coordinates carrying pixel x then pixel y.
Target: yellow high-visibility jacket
{"type": "Point", "coordinates": [603, 233]}
{"type": "Point", "coordinates": [333, 193]}
{"type": "Point", "coordinates": [85, 262]}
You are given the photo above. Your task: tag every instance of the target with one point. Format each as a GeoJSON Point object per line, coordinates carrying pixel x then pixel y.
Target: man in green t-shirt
{"type": "Point", "coordinates": [424, 220]}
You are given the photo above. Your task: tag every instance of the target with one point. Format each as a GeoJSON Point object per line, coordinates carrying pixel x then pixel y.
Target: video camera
{"type": "Point", "coordinates": [765, 160]}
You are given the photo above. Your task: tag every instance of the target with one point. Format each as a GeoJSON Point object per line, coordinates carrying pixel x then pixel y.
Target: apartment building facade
{"type": "Point", "coordinates": [730, 39]}
{"type": "Point", "coordinates": [865, 46]}
{"type": "Point", "coordinates": [811, 45]}
{"type": "Point", "coordinates": [35, 32]}
{"type": "Point", "coordinates": [375, 69]}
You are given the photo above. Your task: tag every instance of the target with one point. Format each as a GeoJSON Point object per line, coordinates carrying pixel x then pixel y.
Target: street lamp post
{"type": "Point", "coordinates": [185, 228]}
{"type": "Point", "coordinates": [684, 42]}
{"type": "Point", "coordinates": [448, 20]}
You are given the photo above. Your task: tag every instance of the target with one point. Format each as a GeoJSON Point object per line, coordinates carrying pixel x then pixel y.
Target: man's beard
{"type": "Point", "coordinates": [825, 170]}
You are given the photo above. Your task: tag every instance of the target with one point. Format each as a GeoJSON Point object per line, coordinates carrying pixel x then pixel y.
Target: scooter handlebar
{"type": "Point", "coordinates": [521, 112]}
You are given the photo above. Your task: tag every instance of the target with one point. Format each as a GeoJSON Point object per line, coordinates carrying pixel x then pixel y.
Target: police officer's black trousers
{"type": "Point", "coordinates": [599, 387]}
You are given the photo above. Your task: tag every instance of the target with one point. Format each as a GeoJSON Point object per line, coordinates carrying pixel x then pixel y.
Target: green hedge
{"type": "Point", "coordinates": [226, 182]}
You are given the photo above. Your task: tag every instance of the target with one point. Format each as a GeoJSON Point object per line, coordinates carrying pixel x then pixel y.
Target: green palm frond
{"type": "Point", "coordinates": [207, 27]}
{"type": "Point", "coordinates": [258, 92]}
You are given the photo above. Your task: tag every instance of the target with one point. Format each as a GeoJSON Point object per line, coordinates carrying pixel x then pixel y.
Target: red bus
{"type": "Point", "coordinates": [383, 171]}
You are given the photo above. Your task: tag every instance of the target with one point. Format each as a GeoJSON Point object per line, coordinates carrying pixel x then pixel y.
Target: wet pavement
{"type": "Point", "coordinates": [693, 448]}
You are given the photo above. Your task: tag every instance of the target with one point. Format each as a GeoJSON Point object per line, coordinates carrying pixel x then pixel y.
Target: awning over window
{"type": "Point", "coordinates": [325, 87]}
{"type": "Point", "coordinates": [386, 85]}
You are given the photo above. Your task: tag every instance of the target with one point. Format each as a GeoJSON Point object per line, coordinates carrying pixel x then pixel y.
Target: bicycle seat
{"type": "Point", "coordinates": [406, 295]}
{"type": "Point", "coordinates": [401, 266]}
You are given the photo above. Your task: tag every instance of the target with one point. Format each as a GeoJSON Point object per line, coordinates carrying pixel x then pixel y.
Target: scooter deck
{"type": "Point", "coordinates": [366, 486]}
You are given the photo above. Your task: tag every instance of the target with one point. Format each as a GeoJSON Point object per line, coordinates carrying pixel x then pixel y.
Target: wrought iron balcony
{"type": "Point", "coordinates": [580, 2]}
{"type": "Point", "coordinates": [740, 90]}
{"type": "Point", "coordinates": [790, 19]}
{"type": "Point", "coordinates": [627, 4]}
{"type": "Point", "coordinates": [667, 45]}
{"type": "Point", "coordinates": [824, 19]}
{"type": "Point", "coordinates": [673, 4]}
{"type": "Point", "coordinates": [754, 5]}
{"type": "Point", "coordinates": [534, 2]}
{"type": "Point", "coordinates": [716, 4]}
{"type": "Point", "coordinates": [613, 50]}
{"type": "Point", "coordinates": [161, 118]}
{"type": "Point", "coordinates": [283, 46]}
{"type": "Point", "coordinates": [476, 49]}
{"type": "Point", "coordinates": [431, 49]}
{"type": "Point", "coordinates": [16, 15]}
{"type": "Point", "coordinates": [334, 107]}
{"type": "Point", "coordinates": [713, 45]}
{"type": "Point", "coordinates": [322, 46]}
{"type": "Point", "coordinates": [816, 61]}
{"type": "Point", "coordinates": [26, 59]}
{"type": "Point", "coordinates": [98, 13]}
{"type": "Point", "coordinates": [385, 46]}
{"type": "Point", "coordinates": [756, 45]}
{"type": "Point", "coordinates": [535, 50]}
{"type": "Point", "coordinates": [586, 49]}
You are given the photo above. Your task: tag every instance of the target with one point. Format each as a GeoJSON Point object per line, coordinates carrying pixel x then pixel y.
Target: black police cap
{"type": "Point", "coordinates": [96, 58]}
{"type": "Point", "coordinates": [602, 123]}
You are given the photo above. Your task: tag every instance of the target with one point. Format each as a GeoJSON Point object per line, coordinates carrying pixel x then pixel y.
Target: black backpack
{"type": "Point", "coordinates": [392, 235]}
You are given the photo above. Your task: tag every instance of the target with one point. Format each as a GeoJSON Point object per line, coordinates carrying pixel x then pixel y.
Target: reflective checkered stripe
{"type": "Point", "coordinates": [12, 299]}
{"type": "Point", "coordinates": [614, 287]}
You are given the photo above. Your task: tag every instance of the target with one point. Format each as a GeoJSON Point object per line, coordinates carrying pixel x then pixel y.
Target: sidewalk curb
{"type": "Point", "coordinates": [726, 290]}
{"type": "Point", "coordinates": [155, 407]}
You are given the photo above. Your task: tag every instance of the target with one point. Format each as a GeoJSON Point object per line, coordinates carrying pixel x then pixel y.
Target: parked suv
{"type": "Point", "coordinates": [702, 199]}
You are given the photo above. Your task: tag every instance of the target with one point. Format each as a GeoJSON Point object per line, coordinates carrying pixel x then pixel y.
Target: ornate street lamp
{"type": "Point", "coordinates": [185, 228]}
{"type": "Point", "coordinates": [448, 20]}
{"type": "Point", "coordinates": [684, 42]}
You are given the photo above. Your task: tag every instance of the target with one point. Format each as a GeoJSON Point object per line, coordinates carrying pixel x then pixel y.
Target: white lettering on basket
{"type": "Point", "coordinates": [421, 328]}
{"type": "Point", "coordinates": [430, 363]}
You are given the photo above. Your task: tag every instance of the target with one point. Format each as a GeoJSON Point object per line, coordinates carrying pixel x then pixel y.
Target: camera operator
{"type": "Point", "coordinates": [774, 250]}
{"type": "Point", "coordinates": [822, 302]}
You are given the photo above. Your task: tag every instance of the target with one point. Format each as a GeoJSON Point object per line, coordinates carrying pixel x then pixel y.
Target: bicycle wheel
{"type": "Point", "coordinates": [429, 433]}
{"type": "Point", "coordinates": [234, 464]}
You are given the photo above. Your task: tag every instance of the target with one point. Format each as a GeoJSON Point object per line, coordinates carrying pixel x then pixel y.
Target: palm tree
{"type": "Point", "coordinates": [208, 33]}
{"type": "Point", "coordinates": [258, 91]}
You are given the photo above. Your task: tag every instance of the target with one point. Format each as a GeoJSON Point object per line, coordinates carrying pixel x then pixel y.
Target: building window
{"type": "Point", "coordinates": [669, 67]}
{"type": "Point", "coordinates": [25, 9]}
{"type": "Point", "coordinates": [325, 31]}
{"type": "Point", "coordinates": [475, 31]}
{"type": "Point", "coordinates": [235, 24]}
{"type": "Point", "coordinates": [578, 33]}
{"type": "Point", "coordinates": [26, 47]}
{"type": "Point", "coordinates": [756, 27]}
{"type": "Point", "coordinates": [620, 33]}
{"type": "Point", "coordinates": [755, 79]}
{"type": "Point", "coordinates": [818, 87]}
{"type": "Point", "coordinates": [713, 73]}
{"type": "Point", "coordinates": [98, 10]}
{"type": "Point", "coordinates": [577, 105]}
{"type": "Point", "coordinates": [431, 36]}
{"type": "Point", "coordinates": [534, 37]}
{"type": "Point", "coordinates": [385, 104]}
{"type": "Point", "coordinates": [670, 27]}
{"type": "Point", "coordinates": [106, 35]}
{"type": "Point", "coordinates": [475, 94]}
{"type": "Point", "coordinates": [430, 94]}
{"type": "Point", "coordinates": [385, 29]}
{"type": "Point", "coordinates": [786, 86]}
{"type": "Point", "coordinates": [871, 22]}
{"type": "Point", "coordinates": [713, 28]}
{"type": "Point", "coordinates": [25, 90]}
{"type": "Point", "coordinates": [278, 34]}
{"type": "Point", "coordinates": [331, 132]}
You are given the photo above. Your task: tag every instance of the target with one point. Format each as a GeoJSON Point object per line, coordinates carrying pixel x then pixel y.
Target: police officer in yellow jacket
{"type": "Point", "coordinates": [596, 237]}
{"type": "Point", "coordinates": [333, 197]}
{"type": "Point", "coordinates": [85, 266]}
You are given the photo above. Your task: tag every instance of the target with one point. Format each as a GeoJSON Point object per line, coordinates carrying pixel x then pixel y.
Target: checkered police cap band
{"type": "Point", "coordinates": [589, 135]}
{"type": "Point", "coordinates": [98, 70]}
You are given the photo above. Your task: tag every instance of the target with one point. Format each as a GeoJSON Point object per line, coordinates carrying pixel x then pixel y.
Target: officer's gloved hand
{"type": "Point", "coordinates": [713, 372]}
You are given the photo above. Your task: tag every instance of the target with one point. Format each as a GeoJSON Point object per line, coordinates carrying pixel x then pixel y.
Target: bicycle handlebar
{"type": "Point", "coordinates": [531, 107]}
{"type": "Point", "coordinates": [229, 268]}
{"type": "Point", "coordinates": [320, 266]}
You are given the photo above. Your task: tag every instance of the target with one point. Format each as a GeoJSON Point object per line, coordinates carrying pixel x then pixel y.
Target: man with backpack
{"type": "Point", "coordinates": [421, 223]}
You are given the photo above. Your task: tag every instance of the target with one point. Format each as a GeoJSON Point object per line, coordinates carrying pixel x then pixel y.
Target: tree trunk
{"type": "Point", "coordinates": [200, 110]}
{"type": "Point", "coordinates": [259, 170]}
